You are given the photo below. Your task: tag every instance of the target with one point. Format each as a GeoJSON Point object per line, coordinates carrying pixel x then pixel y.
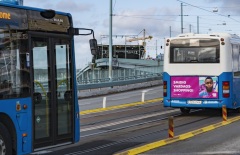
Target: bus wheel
{"type": "Point", "coordinates": [5, 141]}
{"type": "Point", "coordinates": [185, 110]}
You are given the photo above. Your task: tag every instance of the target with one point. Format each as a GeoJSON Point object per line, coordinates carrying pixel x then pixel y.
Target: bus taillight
{"type": "Point", "coordinates": [164, 88]}
{"type": "Point", "coordinates": [226, 89]}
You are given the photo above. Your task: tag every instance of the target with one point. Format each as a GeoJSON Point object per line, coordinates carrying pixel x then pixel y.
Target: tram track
{"type": "Point", "coordinates": [114, 115]}
{"type": "Point", "coordinates": [139, 121]}
{"type": "Point", "coordinates": [136, 127]}
{"type": "Point", "coordinates": [113, 131]}
{"type": "Point", "coordinates": [127, 121]}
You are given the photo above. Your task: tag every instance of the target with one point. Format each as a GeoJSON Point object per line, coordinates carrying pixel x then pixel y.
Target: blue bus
{"type": "Point", "coordinates": [202, 71]}
{"type": "Point", "coordinates": [38, 89]}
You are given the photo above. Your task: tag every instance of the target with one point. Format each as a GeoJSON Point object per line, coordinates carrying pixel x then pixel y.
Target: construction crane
{"type": "Point", "coordinates": [141, 38]}
{"type": "Point", "coordinates": [144, 41]}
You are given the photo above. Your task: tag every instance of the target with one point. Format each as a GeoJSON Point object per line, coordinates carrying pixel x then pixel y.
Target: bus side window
{"type": "Point", "coordinates": [235, 55]}
{"type": "Point", "coordinates": [4, 73]}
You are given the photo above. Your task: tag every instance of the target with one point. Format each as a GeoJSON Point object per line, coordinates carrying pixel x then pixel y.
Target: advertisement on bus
{"type": "Point", "coordinates": [194, 87]}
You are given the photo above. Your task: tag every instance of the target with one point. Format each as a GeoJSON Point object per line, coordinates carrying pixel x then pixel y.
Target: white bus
{"type": "Point", "coordinates": [202, 71]}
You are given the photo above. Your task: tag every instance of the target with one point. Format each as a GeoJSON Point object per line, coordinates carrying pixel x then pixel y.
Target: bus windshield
{"type": "Point", "coordinates": [194, 51]}
{"type": "Point", "coordinates": [14, 64]}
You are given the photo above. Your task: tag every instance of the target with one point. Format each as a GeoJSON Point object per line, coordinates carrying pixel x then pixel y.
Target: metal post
{"type": "Point", "coordinates": [98, 75]}
{"type": "Point", "coordinates": [125, 48]}
{"type": "Point", "coordinates": [224, 113]}
{"type": "Point", "coordinates": [170, 127]}
{"type": "Point", "coordinates": [104, 102]}
{"type": "Point", "coordinates": [110, 43]}
{"type": "Point", "coordinates": [198, 24]}
{"type": "Point", "coordinates": [102, 47]}
{"type": "Point", "coordinates": [181, 17]}
{"type": "Point", "coordinates": [143, 96]}
{"type": "Point", "coordinates": [144, 43]}
{"type": "Point", "coordinates": [156, 48]}
{"type": "Point", "coordinates": [139, 50]}
{"type": "Point", "coordinates": [170, 29]}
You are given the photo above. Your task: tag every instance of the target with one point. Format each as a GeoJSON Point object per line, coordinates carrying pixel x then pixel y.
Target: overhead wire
{"type": "Point", "coordinates": [142, 17]}
{"type": "Point", "coordinates": [174, 20]}
{"type": "Point", "coordinates": [228, 16]}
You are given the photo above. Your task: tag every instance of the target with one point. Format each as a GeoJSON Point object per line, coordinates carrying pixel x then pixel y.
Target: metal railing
{"type": "Point", "coordinates": [116, 83]}
{"type": "Point", "coordinates": [99, 78]}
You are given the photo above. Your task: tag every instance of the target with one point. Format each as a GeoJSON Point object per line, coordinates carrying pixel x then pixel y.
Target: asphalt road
{"type": "Point", "coordinates": [114, 131]}
{"type": "Point", "coordinates": [120, 98]}
{"type": "Point", "coordinates": [221, 141]}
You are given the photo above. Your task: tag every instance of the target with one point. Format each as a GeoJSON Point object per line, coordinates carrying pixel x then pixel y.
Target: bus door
{"type": "Point", "coordinates": [52, 91]}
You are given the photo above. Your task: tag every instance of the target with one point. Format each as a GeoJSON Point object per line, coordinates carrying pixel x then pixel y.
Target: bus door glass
{"type": "Point", "coordinates": [63, 88]}
{"type": "Point", "coordinates": [52, 91]}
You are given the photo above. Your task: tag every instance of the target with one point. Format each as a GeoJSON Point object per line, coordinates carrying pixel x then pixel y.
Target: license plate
{"type": "Point", "coordinates": [194, 102]}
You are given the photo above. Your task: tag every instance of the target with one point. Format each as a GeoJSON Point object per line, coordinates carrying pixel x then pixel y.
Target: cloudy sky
{"type": "Point", "coordinates": [160, 19]}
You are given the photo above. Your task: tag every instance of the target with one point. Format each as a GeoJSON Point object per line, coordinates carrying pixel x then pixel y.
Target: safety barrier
{"type": "Point", "coordinates": [116, 83]}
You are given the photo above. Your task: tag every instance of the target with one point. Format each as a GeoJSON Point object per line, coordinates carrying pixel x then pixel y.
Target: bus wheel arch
{"type": "Point", "coordinates": [5, 142]}
{"type": "Point", "coordinates": [6, 122]}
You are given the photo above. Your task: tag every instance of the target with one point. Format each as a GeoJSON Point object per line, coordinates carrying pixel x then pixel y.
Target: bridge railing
{"type": "Point", "coordinates": [116, 83]}
{"type": "Point", "coordinates": [99, 78]}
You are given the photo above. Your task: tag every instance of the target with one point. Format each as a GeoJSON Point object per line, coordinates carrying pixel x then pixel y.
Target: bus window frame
{"type": "Point", "coordinates": [185, 43]}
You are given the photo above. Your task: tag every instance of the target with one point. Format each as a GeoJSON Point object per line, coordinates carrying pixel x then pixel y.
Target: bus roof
{"type": "Point", "coordinates": [32, 8]}
{"type": "Point", "coordinates": [217, 34]}
{"type": "Point", "coordinates": [35, 19]}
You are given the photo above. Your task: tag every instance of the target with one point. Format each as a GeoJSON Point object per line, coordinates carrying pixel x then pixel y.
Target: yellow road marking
{"type": "Point", "coordinates": [184, 136]}
{"type": "Point", "coordinates": [118, 106]}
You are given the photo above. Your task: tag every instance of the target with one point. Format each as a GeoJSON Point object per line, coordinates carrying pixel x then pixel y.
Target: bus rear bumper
{"type": "Point", "coordinates": [194, 103]}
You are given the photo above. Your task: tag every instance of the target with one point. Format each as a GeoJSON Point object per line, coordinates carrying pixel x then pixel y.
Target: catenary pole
{"type": "Point", "coordinates": [110, 42]}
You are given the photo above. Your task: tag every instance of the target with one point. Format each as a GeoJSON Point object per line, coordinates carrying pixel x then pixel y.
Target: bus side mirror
{"type": "Point", "coordinates": [93, 46]}
{"type": "Point", "coordinates": [84, 31]}
{"type": "Point", "coordinates": [81, 31]}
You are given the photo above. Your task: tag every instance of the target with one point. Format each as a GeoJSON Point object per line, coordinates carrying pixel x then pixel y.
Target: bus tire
{"type": "Point", "coordinates": [5, 141]}
{"type": "Point", "coordinates": [185, 110]}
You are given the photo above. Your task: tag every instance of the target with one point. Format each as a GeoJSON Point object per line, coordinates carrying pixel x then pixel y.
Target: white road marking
{"type": "Point", "coordinates": [128, 120]}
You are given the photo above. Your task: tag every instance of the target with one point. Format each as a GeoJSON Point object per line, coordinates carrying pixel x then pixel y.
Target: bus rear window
{"type": "Point", "coordinates": [185, 51]}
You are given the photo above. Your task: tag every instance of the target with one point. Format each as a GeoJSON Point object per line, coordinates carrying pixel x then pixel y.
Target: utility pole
{"type": "Point", "coordinates": [156, 48]}
{"type": "Point", "coordinates": [198, 24]}
{"type": "Point", "coordinates": [110, 43]}
{"type": "Point", "coordinates": [125, 48]}
{"type": "Point", "coordinates": [144, 43]}
{"type": "Point", "coordinates": [170, 29]}
{"type": "Point", "coordinates": [181, 17]}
